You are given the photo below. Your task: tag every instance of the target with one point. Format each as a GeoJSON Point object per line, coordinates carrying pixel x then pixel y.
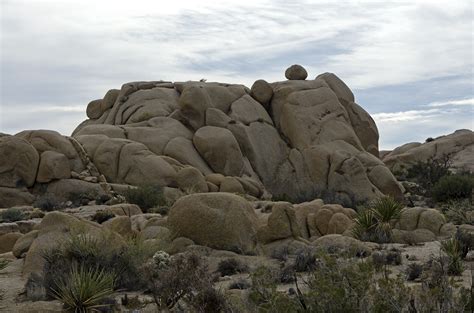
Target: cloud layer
{"type": "Point", "coordinates": [408, 62]}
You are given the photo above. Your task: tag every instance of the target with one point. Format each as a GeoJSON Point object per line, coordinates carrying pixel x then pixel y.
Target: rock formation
{"type": "Point", "coordinates": [458, 146]}
{"type": "Point", "coordinates": [293, 139]}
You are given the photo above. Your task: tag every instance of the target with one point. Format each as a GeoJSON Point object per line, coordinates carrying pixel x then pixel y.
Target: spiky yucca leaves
{"type": "Point", "coordinates": [452, 248]}
{"type": "Point", "coordinates": [375, 222]}
{"type": "Point", "coordinates": [365, 225]}
{"type": "Point", "coordinates": [386, 211]}
{"type": "Point", "coordinates": [84, 288]}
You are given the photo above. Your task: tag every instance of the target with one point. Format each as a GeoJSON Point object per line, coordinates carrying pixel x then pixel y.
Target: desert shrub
{"type": "Point", "coordinates": [83, 288]}
{"type": "Point", "coordinates": [353, 285]}
{"type": "Point", "coordinates": [384, 258]}
{"type": "Point", "coordinates": [146, 196]}
{"type": "Point", "coordinates": [162, 209]}
{"type": "Point", "coordinates": [102, 199]}
{"type": "Point", "coordinates": [452, 248]}
{"type": "Point", "coordinates": [12, 215]}
{"type": "Point", "coordinates": [429, 139]}
{"type": "Point", "coordinates": [466, 241]}
{"type": "Point", "coordinates": [305, 261]}
{"type": "Point", "coordinates": [280, 253]}
{"type": "Point", "coordinates": [102, 216]}
{"type": "Point", "coordinates": [48, 202]}
{"type": "Point", "coordinates": [439, 292]}
{"type": "Point", "coordinates": [390, 295]}
{"type": "Point", "coordinates": [287, 274]}
{"type": "Point", "coordinates": [453, 187]}
{"type": "Point", "coordinates": [82, 198]}
{"type": "Point", "coordinates": [98, 252]}
{"type": "Point", "coordinates": [264, 295]}
{"type": "Point", "coordinates": [428, 173]}
{"type": "Point", "coordinates": [338, 285]}
{"type": "Point", "coordinates": [209, 300]}
{"type": "Point", "coordinates": [183, 277]}
{"type": "Point", "coordinates": [459, 211]}
{"type": "Point", "coordinates": [36, 213]}
{"type": "Point", "coordinates": [231, 266]}
{"type": "Point", "coordinates": [413, 271]}
{"type": "Point", "coordinates": [240, 284]}
{"type": "Point", "coordinates": [375, 222]}
{"type": "Point", "coordinates": [3, 263]}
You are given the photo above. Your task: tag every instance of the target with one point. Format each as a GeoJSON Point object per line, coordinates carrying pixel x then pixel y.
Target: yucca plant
{"type": "Point", "coordinates": [375, 222]}
{"type": "Point", "coordinates": [84, 288]}
{"type": "Point", "coordinates": [386, 211]}
{"type": "Point", "coordinates": [365, 225]}
{"type": "Point", "coordinates": [452, 248]}
{"type": "Point", "coordinates": [83, 248]}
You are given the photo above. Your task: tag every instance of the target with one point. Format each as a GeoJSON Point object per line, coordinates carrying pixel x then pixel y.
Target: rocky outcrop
{"type": "Point", "coordinates": [293, 139]}
{"type": "Point", "coordinates": [458, 147]}
{"type": "Point", "coordinates": [419, 225]}
{"type": "Point", "coordinates": [218, 220]}
{"type": "Point", "coordinates": [51, 232]}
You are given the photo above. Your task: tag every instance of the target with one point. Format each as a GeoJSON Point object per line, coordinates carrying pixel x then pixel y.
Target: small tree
{"type": "Point", "coordinates": [428, 173]}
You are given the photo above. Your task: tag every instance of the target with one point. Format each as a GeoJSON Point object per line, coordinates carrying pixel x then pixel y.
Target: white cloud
{"type": "Point", "coordinates": [412, 115]}
{"type": "Point", "coordinates": [397, 128]}
{"type": "Point", "coordinates": [66, 53]}
{"type": "Point", "coordinates": [452, 102]}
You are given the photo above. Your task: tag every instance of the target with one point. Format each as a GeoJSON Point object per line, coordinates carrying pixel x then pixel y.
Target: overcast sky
{"type": "Point", "coordinates": [409, 63]}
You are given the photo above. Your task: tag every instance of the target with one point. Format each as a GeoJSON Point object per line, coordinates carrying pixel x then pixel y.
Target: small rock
{"type": "Point", "coordinates": [296, 72]}
{"type": "Point", "coordinates": [262, 92]}
{"type": "Point", "coordinates": [91, 179]}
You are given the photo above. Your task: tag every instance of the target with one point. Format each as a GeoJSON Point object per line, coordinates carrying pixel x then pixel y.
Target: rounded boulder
{"type": "Point", "coordinates": [217, 220]}
{"type": "Point", "coordinates": [296, 72]}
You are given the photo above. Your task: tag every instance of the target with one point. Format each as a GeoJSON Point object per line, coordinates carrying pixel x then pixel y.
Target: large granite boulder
{"type": "Point", "coordinates": [218, 220]}
{"type": "Point", "coordinates": [18, 162]}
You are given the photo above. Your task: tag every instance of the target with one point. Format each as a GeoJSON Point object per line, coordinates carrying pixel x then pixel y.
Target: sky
{"type": "Point", "coordinates": [410, 63]}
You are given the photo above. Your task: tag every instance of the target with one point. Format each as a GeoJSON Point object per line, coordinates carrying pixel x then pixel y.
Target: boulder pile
{"type": "Point", "coordinates": [292, 139]}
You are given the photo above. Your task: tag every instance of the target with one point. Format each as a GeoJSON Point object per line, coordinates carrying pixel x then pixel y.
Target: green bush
{"type": "Point", "coordinates": [47, 202]}
{"type": "Point", "coordinates": [439, 292]}
{"type": "Point", "coordinates": [102, 216]}
{"type": "Point", "coordinates": [84, 288]}
{"type": "Point", "coordinates": [3, 263]}
{"type": "Point", "coordinates": [264, 295]}
{"type": "Point", "coordinates": [240, 284]}
{"type": "Point", "coordinates": [459, 211]}
{"type": "Point", "coordinates": [375, 222]}
{"type": "Point", "coordinates": [82, 198]}
{"type": "Point", "coordinates": [305, 261]}
{"type": "Point", "coordinates": [339, 285]}
{"type": "Point", "coordinates": [146, 196]}
{"type": "Point", "coordinates": [453, 187]}
{"type": "Point", "coordinates": [184, 277]}
{"type": "Point", "coordinates": [12, 215]}
{"type": "Point", "coordinates": [428, 173]}
{"type": "Point", "coordinates": [413, 271]}
{"type": "Point", "coordinates": [466, 241]}
{"type": "Point", "coordinates": [381, 259]}
{"type": "Point", "coordinates": [353, 285]}
{"type": "Point", "coordinates": [231, 266]}
{"type": "Point", "coordinates": [98, 252]}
